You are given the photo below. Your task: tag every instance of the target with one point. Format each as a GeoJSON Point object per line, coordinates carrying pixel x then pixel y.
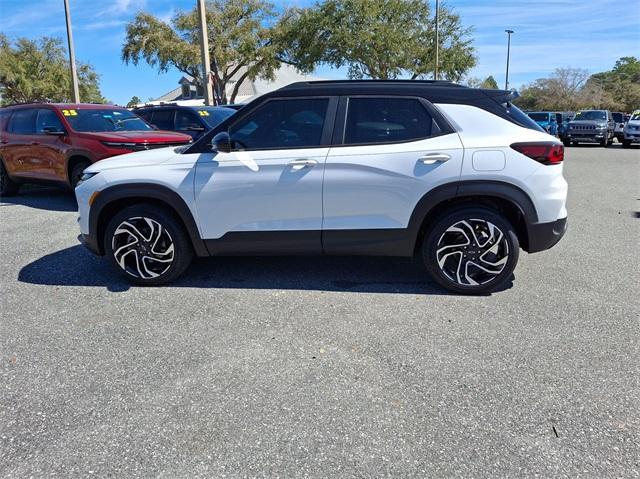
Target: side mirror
{"type": "Point", "coordinates": [221, 143]}
{"type": "Point", "coordinates": [52, 130]}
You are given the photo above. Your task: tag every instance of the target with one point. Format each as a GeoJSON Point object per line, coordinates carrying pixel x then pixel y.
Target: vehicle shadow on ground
{"type": "Point", "coordinates": [42, 198]}
{"type": "Point", "coordinates": [75, 266]}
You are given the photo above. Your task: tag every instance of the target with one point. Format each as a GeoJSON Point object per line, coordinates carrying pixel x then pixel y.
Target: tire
{"type": "Point", "coordinates": [76, 173]}
{"type": "Point", "coordinates": [605, 141]}
{"type": "Point", "coordinates": [457, 229]}
{"type": "Point", "coordinates": [626, 144]}
{"type": "Point", "coordinates": [8, 187]}
{"type": "Point", "coordinates": [566, 142]}
{"type": "Point", "coordinates": [148, 245]}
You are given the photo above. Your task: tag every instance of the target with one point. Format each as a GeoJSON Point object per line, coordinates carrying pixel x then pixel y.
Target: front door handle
{"type": "Point", "coordinates": [431, 158]}
{"type": "Point", "coordinates": [35, 143]}
{"type": "Point", "coordinates": [297, 165]}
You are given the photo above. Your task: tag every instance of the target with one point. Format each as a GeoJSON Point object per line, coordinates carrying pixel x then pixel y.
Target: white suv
{"type": "Point", "coordinates": [457, 176]}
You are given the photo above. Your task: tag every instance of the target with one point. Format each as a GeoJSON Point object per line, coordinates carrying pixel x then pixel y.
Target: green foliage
{"type": "Point", "coordinates": [382, 39]}
{"type": "Point", "coordinates": [622, 84]}
{"type": "Point", "coordinates": [573, 89]}
{"type": "Point", "coordinates": [133, 102]}
{"type": "Point", "coordinates": [39, 71]}
{"type": "Point", "coordinates": [489, 83]}
{"type": "Point", "coordinates": [240, 44]}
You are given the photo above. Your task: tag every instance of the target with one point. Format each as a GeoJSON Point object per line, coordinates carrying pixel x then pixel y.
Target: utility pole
{"type": "Point", "coordinates": [435, 71]}
{"type": "Point", "coordinates": [204, 48]}
{"type": "Point", "coordinates": [72, 55]}
{"type": "Point", "coordinates": [506, 78]}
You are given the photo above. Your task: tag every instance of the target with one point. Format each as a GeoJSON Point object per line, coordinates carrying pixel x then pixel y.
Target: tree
{"type": "Point", "coordinates": [240, 44]}
{"type": "Point", "coordinates": [574, 88]}
{"type": "Point", "coordinates": [134, 102]}
{"type": "Point", "coordinates": [489, 83]}
{"type": "Point", "coordinates": [39, 71]}
{"type": "Point", "coordinates": [560, 91]}
{"type": "Point", "coordinates": [382, 39]}
{"type": "Point", "coordinates": [621, 84]}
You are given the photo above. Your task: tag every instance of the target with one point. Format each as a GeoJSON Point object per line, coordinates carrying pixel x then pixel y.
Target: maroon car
{"type": "Point", "coordinates": [55, 142]}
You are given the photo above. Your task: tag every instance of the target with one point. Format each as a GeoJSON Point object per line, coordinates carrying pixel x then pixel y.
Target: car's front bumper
{"type": "Point", "coordinates": [90, 242]}
{"type": "Point", "coordinates": [632, 137]}
{"type": "Point", "coordinates": [543, 236]}
{"type": "Point", "coordinates": [591, 137]}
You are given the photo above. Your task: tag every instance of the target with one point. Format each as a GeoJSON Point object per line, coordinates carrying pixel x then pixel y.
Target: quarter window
{"type": "Point", "coordinates": [23, 122]}
{"type": "Point", "coordinates": [387, 120]}
{"type": "Point", "coordinates": [282, 124]}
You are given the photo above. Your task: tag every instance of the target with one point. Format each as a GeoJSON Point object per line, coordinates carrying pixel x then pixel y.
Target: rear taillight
{"type": "Point", "coordinates": [547, 153]}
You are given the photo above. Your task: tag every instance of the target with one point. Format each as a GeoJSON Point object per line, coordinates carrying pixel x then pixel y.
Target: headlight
{"type": "Point", "coordinates": [85, 177]}
{"type": "Point", "coordinates": [119, 144]}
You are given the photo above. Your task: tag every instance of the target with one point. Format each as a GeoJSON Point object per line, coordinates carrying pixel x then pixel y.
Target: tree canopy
{"type": "Point", "coordinates": [134, 101]}
{"type": "Point", "coordinates": [381, 39]}
{"type": "Point", "coordinates": [573, 89]}
{"type": "Point", "coordinates": [240, 43]}
{"type": "Point", "coordinates": [38, 70]}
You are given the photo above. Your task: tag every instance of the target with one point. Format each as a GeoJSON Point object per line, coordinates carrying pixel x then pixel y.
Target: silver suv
{"type": "Point", "coordinates": [632, 130]}
{"type": "Point", "coordinates": [591, 126]}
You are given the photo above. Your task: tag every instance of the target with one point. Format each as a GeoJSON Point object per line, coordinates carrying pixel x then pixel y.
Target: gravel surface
{"type": "Point", "coordinates": [325, 367]}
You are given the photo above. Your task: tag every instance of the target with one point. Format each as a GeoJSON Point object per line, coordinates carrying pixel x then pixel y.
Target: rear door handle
{"type": "Point", "coordinates": [35, 143]}
{"type": "Point", "coordinates": [431, 158]}
{"type": "Point", "coordinates": [297, 165]}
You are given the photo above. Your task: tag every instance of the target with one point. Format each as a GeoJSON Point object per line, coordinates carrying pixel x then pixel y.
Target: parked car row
{"type": "Point", "coordinates": [54, 143]}
{"type": "Point", "coordinates": [586, 126]}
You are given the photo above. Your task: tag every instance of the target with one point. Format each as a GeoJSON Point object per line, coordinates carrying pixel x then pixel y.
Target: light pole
{"type": "Point", "coordinates": [506, 78]}
{"type": "Point", "coordinates": [204, 48]}
{"type": "Point", "coordinates": [72, 55]}
{"type": "Point", "coordinates": [435, 71]}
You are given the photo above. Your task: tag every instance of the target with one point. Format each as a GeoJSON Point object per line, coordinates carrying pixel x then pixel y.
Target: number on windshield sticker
{"type": "Point", "coordinates": [69, 112]}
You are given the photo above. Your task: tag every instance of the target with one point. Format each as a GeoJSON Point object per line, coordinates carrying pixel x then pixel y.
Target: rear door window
{"type": "Point", "coordinates": [387, 120]}
{"type": "Point", "coordinates": [23, 122]}
{"type": "Point", "coordinates": [163, 119]}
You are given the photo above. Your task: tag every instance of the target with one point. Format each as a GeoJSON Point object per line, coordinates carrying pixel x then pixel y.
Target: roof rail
{"type": "Point", "coordinates": [403, 81]}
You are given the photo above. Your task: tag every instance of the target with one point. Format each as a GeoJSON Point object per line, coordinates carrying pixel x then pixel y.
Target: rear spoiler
{"type": "Point", "coordinates": [501, 96]}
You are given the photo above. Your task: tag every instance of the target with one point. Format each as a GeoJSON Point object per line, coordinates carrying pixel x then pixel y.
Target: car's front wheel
{"type": "Point", "coordinates": [471, 250]}
{"type": "Point", "coordinates": [148, 245]}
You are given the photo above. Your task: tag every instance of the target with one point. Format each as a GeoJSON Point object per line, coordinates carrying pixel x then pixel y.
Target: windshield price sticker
{"type": "Point", "coordinates": [70, 112]}
{"type": "Point", "coordinates": [203, 113]}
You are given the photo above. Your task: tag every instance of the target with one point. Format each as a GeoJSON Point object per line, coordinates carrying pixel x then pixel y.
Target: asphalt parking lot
{"type": "Point", "coordinates": [325, 367]}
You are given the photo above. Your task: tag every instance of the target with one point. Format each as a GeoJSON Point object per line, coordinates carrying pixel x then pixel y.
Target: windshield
{"type": "Point", "coordinates": [618, 117]}
{"type": "Point", "coordinates": [539, 116]}
{"type": "Point", "coordinates": [105, 119]}
{"type": "Point", "coordinates": [635, 116]}
{"type": "Point", "coordinates": [214, 115]}
{"type": "Point", "coordinates": [591, 115]}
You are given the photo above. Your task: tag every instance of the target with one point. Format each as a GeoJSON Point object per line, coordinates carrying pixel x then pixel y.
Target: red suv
{"type": "Point", "coordinates": [56, 142]}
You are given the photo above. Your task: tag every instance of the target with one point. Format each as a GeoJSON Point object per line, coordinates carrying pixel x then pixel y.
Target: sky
{"type": "Point", "coordinates": [549, 34]}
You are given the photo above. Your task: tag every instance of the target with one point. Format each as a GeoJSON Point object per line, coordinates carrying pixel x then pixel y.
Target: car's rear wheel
{"type": "Point", "coordinates": [8, 187]}
{"type": "Point", "coordinates": [605, 141]}
{"type": "Point", "coordinates": [626, 144]}
{"type": "Point", "coordinates": [471, 250]}
{"type": "Point", "coordinates": [148, 244]}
